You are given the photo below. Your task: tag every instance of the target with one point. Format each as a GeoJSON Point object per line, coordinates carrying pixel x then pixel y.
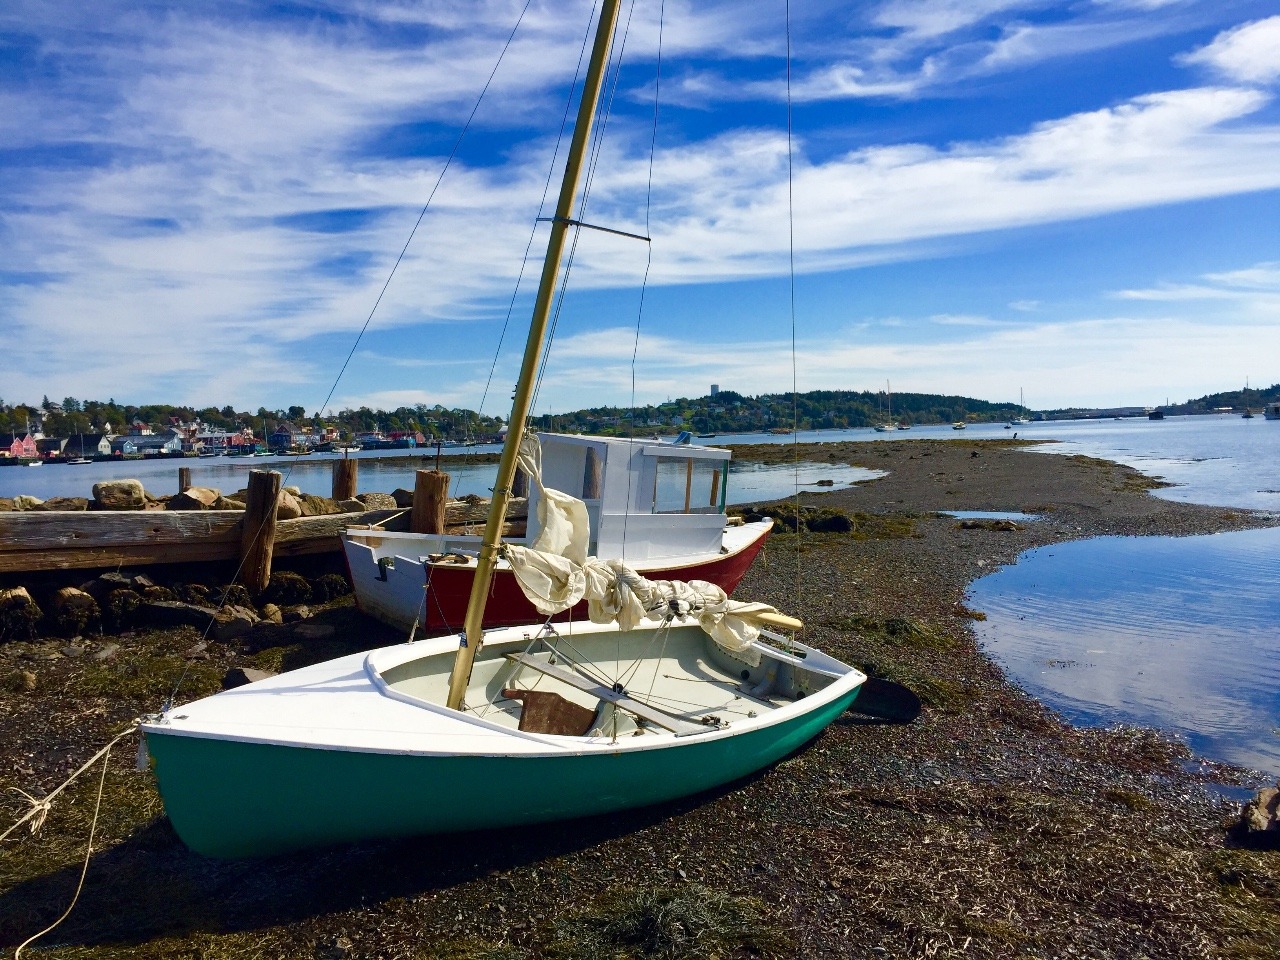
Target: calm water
{"type": "Point", "coordinates": [1222, 460]}
{"type": "Point", "coordinates": [380, 471]}
{"type": "Point", "coordinates": [1177, 633]}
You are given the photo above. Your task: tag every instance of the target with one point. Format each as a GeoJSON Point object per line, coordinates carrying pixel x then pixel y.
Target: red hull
{"type": "Point", "coordinates": [449, 589]}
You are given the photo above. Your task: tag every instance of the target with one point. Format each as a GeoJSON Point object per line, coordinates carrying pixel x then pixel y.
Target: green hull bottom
{"type": "Point", "coordinates": [230, 799]}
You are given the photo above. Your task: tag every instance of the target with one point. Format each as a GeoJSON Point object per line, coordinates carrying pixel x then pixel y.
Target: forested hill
{"type": "Point", "coordinates": [729, 411]}
{"type": "Point", "coordinates": [726, 412]}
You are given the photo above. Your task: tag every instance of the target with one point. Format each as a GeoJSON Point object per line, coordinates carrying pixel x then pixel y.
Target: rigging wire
{"type": "Point", "coordinates": [644, 283]}
{"type": "Point", "coordinates": [453, 153]}
{"type": "Point", "coordinates": [791, 254]}
{"type": "Point", "coordinates": [612, 79]}
{"type": "Point", "coordinates": [542, 205]}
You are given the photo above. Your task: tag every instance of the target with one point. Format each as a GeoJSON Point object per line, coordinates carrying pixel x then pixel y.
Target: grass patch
{"type": "Point", "coordinates": [471, 950]}
{"type": "Point", "coordinates": [1129, 800]}
{"type": "Point", "coordinates": [856, 524]}
{"type": "Point", "coordinates": [894, 632]}
{"type": "Point", "coordinates": [689, 922]}
{"type": "Point", "coordinates": [147, 671]}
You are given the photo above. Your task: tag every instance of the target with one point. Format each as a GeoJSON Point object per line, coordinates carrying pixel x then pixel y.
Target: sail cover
{"type": "Point", "coordinates": [555, 573]}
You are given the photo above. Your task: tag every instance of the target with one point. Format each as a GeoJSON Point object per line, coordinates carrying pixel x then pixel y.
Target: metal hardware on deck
{"type": "Point", "coordinates": [591, 226]}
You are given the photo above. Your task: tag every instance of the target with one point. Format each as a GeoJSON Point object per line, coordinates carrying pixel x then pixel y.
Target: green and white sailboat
{"type": "Point", "coordinates": [682, 689]}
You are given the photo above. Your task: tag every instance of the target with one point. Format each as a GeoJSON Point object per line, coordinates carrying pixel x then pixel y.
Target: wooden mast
{"type": "Point", "coordinates": [520, 407]}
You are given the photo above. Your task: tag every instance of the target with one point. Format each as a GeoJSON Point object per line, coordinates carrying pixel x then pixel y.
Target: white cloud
{"type": "Point", "coordinates": [1112, 361]}
{"type": "Point", "coordinates": [1256, 287]}
{"type": "Point", "coordinates": [1249, 53]}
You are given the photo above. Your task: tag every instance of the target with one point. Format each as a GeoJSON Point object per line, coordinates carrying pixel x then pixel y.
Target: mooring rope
{"type": "Point", "coordinates": [40, 811]}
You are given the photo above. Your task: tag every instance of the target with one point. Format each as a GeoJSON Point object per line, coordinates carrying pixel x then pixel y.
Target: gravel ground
{"type": "Point", "coordinates": [987, 828]}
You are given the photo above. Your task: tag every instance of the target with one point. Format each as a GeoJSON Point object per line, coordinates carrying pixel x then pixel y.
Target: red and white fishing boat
{"type": "Point", "coordinates": [659, 507]}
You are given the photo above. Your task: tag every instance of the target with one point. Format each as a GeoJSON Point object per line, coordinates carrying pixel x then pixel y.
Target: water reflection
{"type": "Point", "coordinates": [1178, 633]}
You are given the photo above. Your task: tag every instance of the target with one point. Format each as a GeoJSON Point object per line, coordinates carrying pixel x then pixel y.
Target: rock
{"type": "Point", "coordinates": [1259, 824]}
{"type": "Point", "coordinates": [240, 676]}
{"type": "Point", "coordinates": [328, 586]}
{"type": "Point", "coordinates": [227, 503]}
{"type": "Point", "coordinates": [24, 502]}
{"type": "Point", "coordinates": [102, 586]}
{"type": "Point", "coordinates": [18, 614]}
{"type": "Point", "coordinates": [382, 501]}
{"type": "Point", "coordinates": [119, 495]}
{"type": "Point", "coordinates": [265, 635]}
{"type": "Point", "coordinates": [293, 491]}
{"type": "Point", "coordinates": [835, 523]}
{"type": "Point", "coordinates": [287, 589]}
{"type": "Point", "coordinates": [287, 507]}
{"type": "Point", "coordinates": [74, 612]}
{"type": "Point", "coordinates": [121, 609]}
{"type": "Point", "coordinates": [402, 497]}
{"type": "Point", "coordinates": [349, 506]}
{"type": "Point", "coordinates": [66, 504]}
{"type": "Point", "coordinates": [28, 681]}
{"type": "Point", "coordinates": [72, 651]}
{"type": "Point", "coordinates": [141, 582]}
{"type": "Point", "coordinates": [313, 631]}
{"type": "Point", "coordinates": [232, 621]}
{"type": "Point", "coordinates": [195, 498]}
{"type": "Point", "coordinates": [198, 651]}
{"type": "Point", "coordinates": [6, 504]}
{"type": "Point", "coordinates": [297, 614]}
{"type": "Point", "coordinates": [271, 613]}
{"type": "Point", "coordinates": [314, 506]}
{"type": "Point", "coordinates": [174, 613]}
{"type": "Point", "coordinates": [235, 595]}
{"type": "Point", "coordinates": [105, 652]}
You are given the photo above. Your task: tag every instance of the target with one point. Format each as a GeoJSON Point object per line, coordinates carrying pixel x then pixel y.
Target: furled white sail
{"type": "Point", "coordinates": [555, 573]}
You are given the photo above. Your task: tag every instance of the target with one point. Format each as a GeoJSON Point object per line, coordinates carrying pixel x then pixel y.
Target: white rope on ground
{"type": "Point", "coordinates": [40, 809]}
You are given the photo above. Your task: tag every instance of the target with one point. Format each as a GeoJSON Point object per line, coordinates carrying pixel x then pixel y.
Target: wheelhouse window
{"type": "Point", "coordinates": [686, 485]}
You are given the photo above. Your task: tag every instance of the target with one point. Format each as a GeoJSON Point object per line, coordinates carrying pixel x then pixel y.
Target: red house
{"type": "Point", "coordinates": [18, 444]}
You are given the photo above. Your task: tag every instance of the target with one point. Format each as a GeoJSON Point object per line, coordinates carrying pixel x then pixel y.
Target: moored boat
{"type": "Point", "coordinates": [658, 506]}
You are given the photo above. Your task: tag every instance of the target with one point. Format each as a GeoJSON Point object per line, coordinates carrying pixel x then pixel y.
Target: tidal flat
{"type": "Point", "coordinates": [987, 828]}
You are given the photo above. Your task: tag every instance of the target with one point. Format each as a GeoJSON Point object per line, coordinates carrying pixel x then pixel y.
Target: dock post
{"type": "Point", "coordinates": [184, 478]}
{"type": "Point", "coordinates": [591, 479]}
{"type": "Point", "coordinates": [258, 535]}
{"type": "Point", "coordinates": [715, 489]}
{"type": "Point", "coordinates": [430, 491]}
{"type": "Point", "coordinates": [345, 472]}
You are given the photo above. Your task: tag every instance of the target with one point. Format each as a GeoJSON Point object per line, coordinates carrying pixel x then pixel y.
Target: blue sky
{"type": "Point", "coordinates": [200, 202]}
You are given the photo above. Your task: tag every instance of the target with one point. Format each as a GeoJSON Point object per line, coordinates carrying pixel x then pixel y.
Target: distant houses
{"type": "Point", "coordinates": [167, 441]}
{"type": "Point", "coordinates": [18, 444]}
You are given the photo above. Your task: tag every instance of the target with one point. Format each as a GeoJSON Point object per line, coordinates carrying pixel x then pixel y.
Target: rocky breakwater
{"type": "Point", "coordinates": [130, 495]}
{"type": "Point", "coordinates": [99, 614]}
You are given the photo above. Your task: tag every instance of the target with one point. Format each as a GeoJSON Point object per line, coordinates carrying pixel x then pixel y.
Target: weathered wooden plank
{"type": "Point", "coordinates": [31, 541]}
{"type": "Point", "coordinates": [30, 531]}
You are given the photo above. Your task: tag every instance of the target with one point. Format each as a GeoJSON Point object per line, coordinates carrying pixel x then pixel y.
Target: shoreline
{"type": "Point", "coordinates": [987, 828]}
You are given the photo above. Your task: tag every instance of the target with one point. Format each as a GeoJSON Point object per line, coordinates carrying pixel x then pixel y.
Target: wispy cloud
{"type": "Point", "coordinates": [1249, 53]}
{"type": "Point", "coordinates": [1257, 286]}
